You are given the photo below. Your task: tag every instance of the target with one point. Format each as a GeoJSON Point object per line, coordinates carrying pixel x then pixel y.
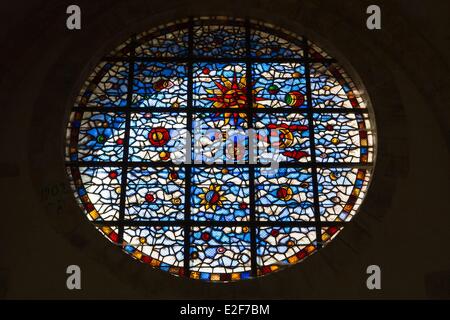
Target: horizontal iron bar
{"type": "Point", "coordinates": [218, 110]}
{"type": "Point", "coordinates": [182, 223]}
{"type": "Point", "coordinates": [199, 59]}
{"type": "Point", "coordinates": [199, 165]}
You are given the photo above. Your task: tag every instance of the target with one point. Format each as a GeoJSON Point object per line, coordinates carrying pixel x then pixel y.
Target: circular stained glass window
{"type": "Point", "coordinates": [219, 149]}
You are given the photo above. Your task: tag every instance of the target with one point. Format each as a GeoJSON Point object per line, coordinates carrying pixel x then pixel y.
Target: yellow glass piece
{"type": "Point", "coordinates": [335, 140]}
{"type": "Point", "coordinates": [155, 263]}
{"type": "Point", "coordinates": [94, 214]}
{"type": "Point", "coordinates": [106, 230]}
{"type": "Point", "coordinates": [137, 254]}
{"type": "Point", "coordinates": [215, 277]}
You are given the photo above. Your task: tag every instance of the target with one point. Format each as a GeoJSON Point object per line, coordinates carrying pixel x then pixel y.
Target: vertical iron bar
{"type": "Point", "coordinates": [312, 143]}
{"type": "Point", "coordinates": [251, 169]}
{"type": "Point", "coordinates": [188, 169]}
{"type": "Point", "coordinates": [126, 140]}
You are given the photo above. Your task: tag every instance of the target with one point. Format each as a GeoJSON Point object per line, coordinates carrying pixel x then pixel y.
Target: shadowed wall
{"type": "Point", "coordinates": [402, 226]}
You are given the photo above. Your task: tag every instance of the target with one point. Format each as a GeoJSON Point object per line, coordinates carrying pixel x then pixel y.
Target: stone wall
{"type": "Point", "coordinates": [402, 226]}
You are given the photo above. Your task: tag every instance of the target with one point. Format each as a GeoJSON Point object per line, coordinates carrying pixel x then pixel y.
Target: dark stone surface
{"type": "Point", "coordinates": [402, 226]}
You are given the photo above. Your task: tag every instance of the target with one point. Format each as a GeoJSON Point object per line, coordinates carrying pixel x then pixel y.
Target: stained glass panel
{"type": "Point", "coordinates": [155, 194]}
{"type": "Point", "coordinates": [99, 190]}
{"type": "Point", "coordinates": [220, 137]}
{"type": "Point", "coordinates": [340, 192]}
{"type": "Point", "coordinates": [219, 85]}
{"type": "Point", "coordinates": [170, 41]}
{"type": "Point", "coordinates": [157, 136]}
{"type": "Point", "coordinates": [284, 195]}
{"type": "Point", "coordinates": [96, 136]}
{"type": "Point", "coordinates": [281, 245]}
{"type": "Point", "coordinates": [283, 137]}
{"type": "Point", "coordinates": [220, 194]}
{"type": "Point", "coordinates": [343, 137]}
{"type": "Point", "coordinates": [331, 88]}
{"type": "Point", "coordinates": [160, 85]}
{"type": "Point", "coordinates": [106, 87]}
{"type": "Point", "coordinates": [279, 85]}
{"type": "Point", "coordinates": [220, 250]}
{"type": "Point", "coordinates": [219, 41]}
{"type": "Point", "coordinates": [267, 45]}
{"type": "Point", "coordinates": [159, 246]}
